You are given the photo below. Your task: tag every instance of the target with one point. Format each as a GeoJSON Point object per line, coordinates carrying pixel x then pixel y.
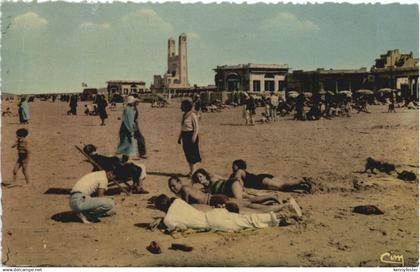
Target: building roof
{"type": "Point", "coordinates": [125, 82]}
{"type": "Point", "coordinates": [396, 69]}
{"type": "Point", "coordinates": [252, 66]}
{"type": "Point", "coordinates": [362, 70]}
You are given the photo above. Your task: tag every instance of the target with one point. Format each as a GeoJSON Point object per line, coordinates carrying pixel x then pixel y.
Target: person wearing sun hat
{"type": "Point", "coordinates": [127, 145]}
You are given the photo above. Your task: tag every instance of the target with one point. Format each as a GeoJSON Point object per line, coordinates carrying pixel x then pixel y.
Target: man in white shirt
{"type": "Point", "coordinates": [181, 216]}
{"type": "Point", "coordinates": [81, 200]}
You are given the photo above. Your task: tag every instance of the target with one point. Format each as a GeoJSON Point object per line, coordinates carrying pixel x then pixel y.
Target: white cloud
{"type": "Point", "coordinates": [29, 20]}
{"type": "Point", "coordinates": [93, 26]}
{"type": "Point", "coordinates": [147, 18]}
{"type": "Point", "coordinates": [289, 21]}
{"type": "Point", "coordinates": [193, 35]}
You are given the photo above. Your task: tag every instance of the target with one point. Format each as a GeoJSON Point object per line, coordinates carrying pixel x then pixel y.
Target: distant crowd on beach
{"type": "Point", "coordinates": [321, 105]}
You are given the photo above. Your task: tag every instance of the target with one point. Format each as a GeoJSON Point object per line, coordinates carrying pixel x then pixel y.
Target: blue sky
{"type": "Point", "coordinates": [55, 46]}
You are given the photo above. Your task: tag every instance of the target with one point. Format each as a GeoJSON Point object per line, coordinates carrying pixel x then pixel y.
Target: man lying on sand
{"type": "Point", "coordinates": [193, 195]}
{"type": "Point", "coordinates": [90, 208]}
{"type": "Point", "coordinates": [266, 181]}
{"type": "Point", "coordinates": [182, 216]}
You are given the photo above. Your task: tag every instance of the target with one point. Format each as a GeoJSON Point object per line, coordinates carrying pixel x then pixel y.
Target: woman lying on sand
{"type": "Point", "coordinates": [182, 216]}
{"type": "Point", "coordinates": [232, 187]}
{"type": "Point", "coordinates": [193, 195]}
{"type": "Point", "coordinates": [265, 181]}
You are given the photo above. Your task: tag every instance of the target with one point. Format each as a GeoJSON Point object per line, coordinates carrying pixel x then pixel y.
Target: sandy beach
{"type": "Point", "coordinates": [330, 152]}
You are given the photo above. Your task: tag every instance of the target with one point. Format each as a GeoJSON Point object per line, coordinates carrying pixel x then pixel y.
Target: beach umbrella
{"type": "Point", "coordinates": [292, 94]}
{"type": "Point", "coordinates": [345, 92]}
{"type": "Point", "coordinates": [364, 92]}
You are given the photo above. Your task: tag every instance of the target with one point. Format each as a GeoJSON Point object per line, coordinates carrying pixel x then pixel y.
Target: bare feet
{"type": "Point", "coordinates": [83, 218]}
{"type": "Point", "coordinates": [295, 207]}
{"type": "Point", "coordinates": [110, 213]}
{"type": "Point", "coordinates": [139, 190]}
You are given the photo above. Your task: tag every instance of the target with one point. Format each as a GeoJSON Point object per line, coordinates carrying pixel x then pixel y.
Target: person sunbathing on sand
{"type": "Point", "coordinates": [265, 181]}
{"type": "Point", "coordinates": [232, 187]}
{"type": "Point", "coordinates": [181, 216]}
{"type": "Point", "coordinates": [194, 196]}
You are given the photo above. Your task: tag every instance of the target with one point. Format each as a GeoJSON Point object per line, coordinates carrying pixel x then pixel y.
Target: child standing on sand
{"type": "Point", "coordinates": [23, 154]}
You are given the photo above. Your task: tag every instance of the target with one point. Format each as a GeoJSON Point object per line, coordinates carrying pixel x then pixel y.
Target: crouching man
{"type": "Point", "coordinates": [89, 208]}
{"type": "Point", "coordinates": [182, 216]}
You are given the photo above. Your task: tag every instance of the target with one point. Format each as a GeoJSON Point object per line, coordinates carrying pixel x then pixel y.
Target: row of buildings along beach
{"type": "Point", "coordinates": [393, 70]}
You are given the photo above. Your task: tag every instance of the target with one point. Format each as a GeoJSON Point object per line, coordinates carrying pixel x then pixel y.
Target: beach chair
{"type": "Point", "coordinates": [112, 182]}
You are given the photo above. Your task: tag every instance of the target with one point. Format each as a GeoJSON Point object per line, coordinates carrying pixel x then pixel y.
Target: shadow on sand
{"type": "Point", "coordinates": [57, 191]}
{"type": "Point", "coordinates": [142, 225]}
{"type": "Point", "coordinates": [360, 172]}
{"type": "Point", "coordinates": [69, 217]}
{"type": "Point", "coordinates": [66, 217]}
{"type": "Point", "coordinates": [66, 191]}
{"type": "Point", "coordinates": [233, 125]}
{"type": "Point", "coordinates": [167, 174]}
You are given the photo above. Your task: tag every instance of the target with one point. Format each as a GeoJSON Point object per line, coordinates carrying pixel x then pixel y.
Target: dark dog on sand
{"type": "Point", "coordinates": [372, 164]}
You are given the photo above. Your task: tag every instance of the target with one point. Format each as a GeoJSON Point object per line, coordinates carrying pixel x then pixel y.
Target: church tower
{"type": "Point", "coordinates": [171, 47]}
{"type": "Point", "coordinates": [183, 64]}
{"type": "Point", "coordinates": [176, 75]}
{"type": "Point", "coordinates": [173, 62]}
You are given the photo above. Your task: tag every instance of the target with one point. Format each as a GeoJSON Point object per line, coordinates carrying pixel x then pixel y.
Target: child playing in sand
{"type": "Point", "coordinates": [23, 154]}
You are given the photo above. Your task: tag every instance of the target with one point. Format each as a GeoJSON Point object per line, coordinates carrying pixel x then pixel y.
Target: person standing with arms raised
{"type": "Point", "coordinates": [189, 135]}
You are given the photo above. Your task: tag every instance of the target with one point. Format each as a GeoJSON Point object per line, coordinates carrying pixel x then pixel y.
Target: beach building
{"type": "Point", "coordinates": [397, 71]}
{"type": "Point", "coordinates": [391, 70]}
{"type": "Point", "coordinates": [334, 80]}
{"type": "Point", "coordinates": [251, 77]}
{"type": "Point", "coordinates": [125, 87]}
